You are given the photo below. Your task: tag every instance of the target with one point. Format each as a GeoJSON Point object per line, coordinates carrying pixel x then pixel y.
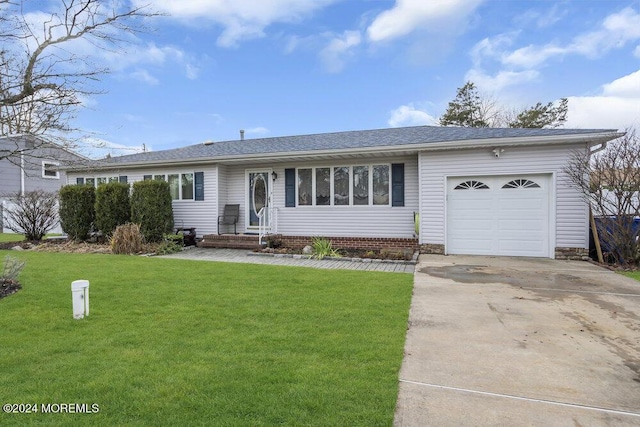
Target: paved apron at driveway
{"type": "Point", "coordinates": [240, 255]}
{"type": "Point", "coordinates": [506, 341]}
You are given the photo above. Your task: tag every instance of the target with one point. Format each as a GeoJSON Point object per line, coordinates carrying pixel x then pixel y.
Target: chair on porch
{"type": "Point", "coordinates": [230, 216]}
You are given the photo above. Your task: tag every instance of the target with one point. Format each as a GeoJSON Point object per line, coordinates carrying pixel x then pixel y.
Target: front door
{"type": "Point", "coordinates": [259, 196]}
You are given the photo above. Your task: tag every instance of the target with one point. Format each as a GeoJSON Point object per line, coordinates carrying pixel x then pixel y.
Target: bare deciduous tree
{"type": "Point", "coordinates": [610, 182]}
{"type": "Point", "coordinates": [33, 214]}
{"type": "Point", "coordinates": [43, 78]}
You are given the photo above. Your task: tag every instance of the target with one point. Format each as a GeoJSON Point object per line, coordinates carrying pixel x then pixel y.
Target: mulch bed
{"type": "Point", "coordinates": [397, 255]}
{"type": "Point", "coordinates": [66, 246]}
{"type": "Point", "coordinates": [8, 287]}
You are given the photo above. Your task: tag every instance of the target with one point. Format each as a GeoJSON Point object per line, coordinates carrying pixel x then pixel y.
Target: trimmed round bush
{"type": "Point", "coordinates": [151, 208]}
{"type": "Point", "coordinates": [77, 210]}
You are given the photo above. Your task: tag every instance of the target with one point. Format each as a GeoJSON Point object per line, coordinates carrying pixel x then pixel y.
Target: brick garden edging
{"type": "Point", "coordinates": [373, 243]}
{"type": "Point", "coordinates": [413, 261]}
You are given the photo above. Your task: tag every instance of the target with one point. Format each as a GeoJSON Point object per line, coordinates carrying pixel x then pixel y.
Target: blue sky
{"type": "Point", "coordinates": [286, 67]}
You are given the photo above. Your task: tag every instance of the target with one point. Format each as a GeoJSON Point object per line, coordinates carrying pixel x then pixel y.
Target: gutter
{"type": "Point", "coordinates": [591, 139]}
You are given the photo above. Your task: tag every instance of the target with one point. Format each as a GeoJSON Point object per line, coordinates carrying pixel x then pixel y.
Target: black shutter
{"type": "Point", "coordinates": [199, 181]}
{"type": "Point", "coordinates": [123, 179]}
{"type": "Point", "coordinates": [397, 184]}
{"type": "Point", "coordinates": [80, 181]}
{"type": "Point", "coordinates": [290, 187]}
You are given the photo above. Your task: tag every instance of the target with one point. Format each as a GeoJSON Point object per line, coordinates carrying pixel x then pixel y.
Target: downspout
{"type": "Point", "coordinates": [595, 150]}
{"type": "Point", "coordinates": [22, 180]}
{"type": "Point", "coordinates": [592, 221]}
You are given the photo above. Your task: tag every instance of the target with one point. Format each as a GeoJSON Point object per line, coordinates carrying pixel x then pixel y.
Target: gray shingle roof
{"type": "Point", "coordinates": [340, 141]}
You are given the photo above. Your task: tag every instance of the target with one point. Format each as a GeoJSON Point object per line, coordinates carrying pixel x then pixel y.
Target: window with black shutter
{"type": "Point", "coordinates": [397, 184]}
{"type": "Point", "coordinates": [290, 187]}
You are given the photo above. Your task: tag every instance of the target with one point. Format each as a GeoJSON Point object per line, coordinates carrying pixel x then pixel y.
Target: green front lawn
{"type": "Point", "coordinates": [11, 237]}
{"type": "Point", "coordinates": [633, 274]}
{"type": "Point", "coordinates": [173, 342]}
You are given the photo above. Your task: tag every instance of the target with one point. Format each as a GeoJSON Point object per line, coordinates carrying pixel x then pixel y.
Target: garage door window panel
{"type": "Point", "coordinates": [521, 183]}
{"type": "Point", "coordinates": [472, 185]}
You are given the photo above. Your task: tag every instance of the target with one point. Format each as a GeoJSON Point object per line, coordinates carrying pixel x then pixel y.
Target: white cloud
{"type": "Point", "coordinates": [150, 55]}
{"type": "Point", "coordinates": [626, 24]}
{"type": "Point", "coordinates": [532, 56]}
{"type": "Point", "coordinates": [615, 32]}
{"type": "Point", "coordinates": [145, 77]}
{"type": "Point", "coordinates": [501, 80]}
{"type": "Point", "coordinates": [407, 16]}
{"type": "Point", "coordinates": [409, 115]}
{"type": "Point", "coordinates": [602, 112]}
{"type": "Point", "coordinates": [541, 19]}
{"type": "Point", "coordinates": [522, 64]}
{"type": "Point", "coordinates": [492, 47]}
{"type": "Point", "coordinates": [624, 87]}
{"type": "Point", "coordinates": [134, 52]}
{"type": "Point", "coordinates": [618, 105]}
{"type": "Point", "coordinates": [336, 53]}
{"type": "Point", "coordinates": [241, 19]}
{"type": "Point", "coordinates": [192, 71]}
{"type": "Point", "coordinates": [98, 148]}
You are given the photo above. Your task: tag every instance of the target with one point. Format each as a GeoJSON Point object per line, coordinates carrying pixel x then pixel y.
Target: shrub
{"type": "Point", "coordinates": [609, 180]}
{"type": "Point", "coordinates": [112, 206]}
{"type": "Point", "coordinates": [274, 241]}
{"type": "Point", "coordinates": [126, 239]}
{"type": "Point", "coordinates": [77, 210]}
{"type": "Point", "coordinates": [9, 280]}
{"type": "Point", "coordinates": [33, 214]}
{"type": "Point", "coordinates": [151, 208]}
{"type": "Point", "coordinates": [172, 243]}
{"type": "Point", "coordinates": [322, 247]}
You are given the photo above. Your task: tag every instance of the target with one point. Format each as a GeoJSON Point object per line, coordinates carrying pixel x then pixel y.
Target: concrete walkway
{"type": "Point", "coordinates": [496, 341]}
{"type": "Point", "coordinates": [243, 256]}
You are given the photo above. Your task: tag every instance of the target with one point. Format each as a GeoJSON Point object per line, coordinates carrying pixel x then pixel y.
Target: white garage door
{"type": "Point", "coordinates": [498, 215]}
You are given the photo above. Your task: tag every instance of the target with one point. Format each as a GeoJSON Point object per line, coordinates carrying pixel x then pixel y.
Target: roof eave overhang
{"type": "Point", "coordinates": [588, 139]}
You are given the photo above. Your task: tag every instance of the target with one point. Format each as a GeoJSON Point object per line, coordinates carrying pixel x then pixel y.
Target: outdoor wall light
{"type": "Point", "coordinates": [274, 176]}
{"type": "Point", "coordinates": [497, 151]}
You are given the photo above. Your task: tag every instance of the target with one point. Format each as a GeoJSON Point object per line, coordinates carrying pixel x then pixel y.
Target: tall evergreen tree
{"type": "Point", "coordinates": [470, 109]}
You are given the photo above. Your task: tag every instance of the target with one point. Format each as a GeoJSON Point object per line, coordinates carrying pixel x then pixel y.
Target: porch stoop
{"type": "Point", "coordinates": [230, 241]}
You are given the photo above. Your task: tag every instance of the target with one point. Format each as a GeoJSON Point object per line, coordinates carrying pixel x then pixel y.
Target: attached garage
{"type": "Point", "coordinates": [499, 215]}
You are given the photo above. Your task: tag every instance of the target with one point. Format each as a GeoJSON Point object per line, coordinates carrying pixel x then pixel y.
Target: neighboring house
{"type": "Point", "coordinates": [475, 190]}
{"type": "Point", "coordinates": [36, 165]}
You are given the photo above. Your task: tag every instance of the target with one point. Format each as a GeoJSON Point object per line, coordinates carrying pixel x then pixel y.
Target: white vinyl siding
{"type": "Point", "coordinates": [351, 220]}
{"type": "Point", "coordinates": [187, 213]}
{"type": "Point", "coordinates": [571, 213]}
{"type": "Point", "coordinates": [236, 192]}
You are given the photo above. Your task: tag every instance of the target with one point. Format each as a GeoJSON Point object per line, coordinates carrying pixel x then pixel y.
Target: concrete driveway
{"type": "Point", "coordinates": [520, 342]}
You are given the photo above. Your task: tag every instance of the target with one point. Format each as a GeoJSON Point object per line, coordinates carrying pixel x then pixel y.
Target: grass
{"type": "Point", "coordinates": [632, 274]}
{"type": "Point", "coordinates": [11, 237]}
{"type": "Point", "coordinates": [173, 342]}
{"type": "Point", "coordinates": [14, 237]}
